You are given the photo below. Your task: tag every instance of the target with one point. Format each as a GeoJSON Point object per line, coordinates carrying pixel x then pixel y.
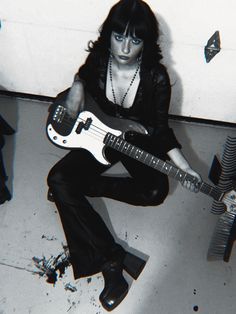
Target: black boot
{"type": "Point", "coordinates": [116, 287]}
{"type": "Point", "coordinates": [133, 265]}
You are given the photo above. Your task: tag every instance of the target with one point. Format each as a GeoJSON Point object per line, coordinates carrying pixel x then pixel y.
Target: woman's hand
{"type": "Point", "coordinates": [189, 184]}
{"type": "Point", "coordinates": [178, 158]}
{"type": "Point", "coordinates": [75, 101]}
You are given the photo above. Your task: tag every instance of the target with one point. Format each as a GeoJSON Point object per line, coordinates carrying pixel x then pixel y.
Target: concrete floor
{"type": "Point", "coordinates": [175, 236]}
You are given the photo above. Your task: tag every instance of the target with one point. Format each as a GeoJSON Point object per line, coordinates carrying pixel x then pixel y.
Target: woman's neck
{"type": "Point", "coordinates": [124, 67]}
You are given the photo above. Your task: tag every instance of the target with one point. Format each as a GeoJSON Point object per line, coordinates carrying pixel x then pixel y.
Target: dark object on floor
{"type": "Point", "coordinates": [5, 129]}
{"type": "Point", "coordinates": [224, 234]}
{"type": "Point", "coordinates": [223, 238]}
{"type": "Point", "coordinates": [52, 267]}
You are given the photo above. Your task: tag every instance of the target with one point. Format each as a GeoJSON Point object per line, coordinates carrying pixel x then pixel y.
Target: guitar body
{"type": "Point", "coordinates": [88, 130]}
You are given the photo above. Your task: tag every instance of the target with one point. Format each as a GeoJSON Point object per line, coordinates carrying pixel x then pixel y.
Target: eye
{"type": "Point", "coordinates": [118, 37]}
{"type": "Point", "coordinates": [136, 41]}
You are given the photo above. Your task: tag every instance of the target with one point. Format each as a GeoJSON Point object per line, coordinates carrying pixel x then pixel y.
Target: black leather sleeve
{"type": "Point", "coordinates": [89, 73]}
{"type": "Point", "coordinates": [161, 95]}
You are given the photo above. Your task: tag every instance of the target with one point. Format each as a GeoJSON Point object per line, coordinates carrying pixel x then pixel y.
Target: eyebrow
{"type": "Point", "coordinates": [126, 35]}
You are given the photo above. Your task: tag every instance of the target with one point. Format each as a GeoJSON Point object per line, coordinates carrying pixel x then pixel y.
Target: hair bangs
{"type": "Point", "coordinates": [135, 25]}
{"type": "Point", "coordinates": [138, 28]}
{"type": "Point", "coordinates": [119, 23]}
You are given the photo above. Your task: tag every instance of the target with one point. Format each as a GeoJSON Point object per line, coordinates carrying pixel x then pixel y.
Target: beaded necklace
{"type": "Point", "coordinates": [112, 86]}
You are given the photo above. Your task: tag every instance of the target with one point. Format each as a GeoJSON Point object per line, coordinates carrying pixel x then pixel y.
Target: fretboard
{"type": "Point", "coordinates": [152, 161]}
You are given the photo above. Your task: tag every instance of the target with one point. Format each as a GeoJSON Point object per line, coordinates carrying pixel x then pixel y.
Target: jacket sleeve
{"type": "Point", "coordinates": [88, 73]}
{"type": "Point", "coordinates": [163, 135]}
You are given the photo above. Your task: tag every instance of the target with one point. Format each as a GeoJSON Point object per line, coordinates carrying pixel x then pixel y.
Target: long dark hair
{"type": "Point", "coordinates": [141, 21]}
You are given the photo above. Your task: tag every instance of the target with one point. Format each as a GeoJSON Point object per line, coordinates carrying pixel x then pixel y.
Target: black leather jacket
{"type": "Point", "coordinates": [151, 103]}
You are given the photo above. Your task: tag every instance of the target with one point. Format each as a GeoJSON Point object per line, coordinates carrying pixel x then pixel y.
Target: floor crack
{"type": "Point", "coordinates": [17, 267]}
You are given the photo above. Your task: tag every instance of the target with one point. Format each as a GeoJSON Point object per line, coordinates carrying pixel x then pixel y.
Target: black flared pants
{"type": "Point", "coordinates": [78, 175]}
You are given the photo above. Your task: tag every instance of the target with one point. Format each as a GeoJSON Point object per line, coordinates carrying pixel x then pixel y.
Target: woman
{"type": "Point", "coordinates": [123, 74]}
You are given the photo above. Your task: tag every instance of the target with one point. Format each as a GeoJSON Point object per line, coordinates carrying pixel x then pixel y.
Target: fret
{"type": "Point", "coordinates": [206, 188]}
{"type": "Point", "coordinates": [138, 153]}
{"type": "Point", "coordinates": [177, 173]}
{"type": "Point", "coordinates": [185, 175]}
{"type": "Point", "coordinates": [118, 142]}
{"type": "Point", "coordinates": [162, 167]}
{"type": "Point", "coordinates": [124, 146]}
{"type": "Point", "coordinates": [141, 154]}
{"type": "Point", "coordinates": [150, 163]}
{"type": "Point", "coordinates": [114, 142]}
{"type": "Point", "coordinates": [146, 156]}
{"type": "Point", "coordinates": [210, 191]}
{"type": "Point", "coordinates": [166, 168]}
{"type": "Point", "coordinates": [173, 171]}
{"type": "Point", "coordinates": [128, 149]}
{"type": "Point", "coordinates": [170, 172]}
{"type": "Point", "coordinates": [131, 151]}
{"type": "Point", "coordinates": [170, 169]}
{"type": "Point", "coordinates": [201, 186]}
{"type": "Point", "coordinates": [155, 163]}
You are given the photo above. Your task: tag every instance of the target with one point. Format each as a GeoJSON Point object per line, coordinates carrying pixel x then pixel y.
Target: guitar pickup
{"type": "Point", "coordinates": [84, 125]}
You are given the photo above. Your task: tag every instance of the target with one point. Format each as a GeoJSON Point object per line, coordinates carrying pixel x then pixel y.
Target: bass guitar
{"type": "Point", "coordinates": [93, 130]}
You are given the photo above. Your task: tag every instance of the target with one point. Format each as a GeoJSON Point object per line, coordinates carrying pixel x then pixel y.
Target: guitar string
{"type": "Point", "coordinates": [67, 122]}
{"type": "Point", "coordinates": [99, 133]}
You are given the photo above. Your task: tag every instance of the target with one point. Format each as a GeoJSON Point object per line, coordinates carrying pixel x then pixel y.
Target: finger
{"type": "Point", "coordinates": [186, 184]}
{"type": "Point", "coordinates": [190, 186]}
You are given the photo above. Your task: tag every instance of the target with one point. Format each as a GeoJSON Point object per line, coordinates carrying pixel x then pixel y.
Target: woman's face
{"type": "Point", "coordinates": [125, 48]}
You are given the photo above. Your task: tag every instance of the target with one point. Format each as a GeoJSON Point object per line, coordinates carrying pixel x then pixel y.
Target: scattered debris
{"type": "Point", "coordinates": [69, 287]}
{"type": "Point", "coordinates": [49, 268]}
{"type": "Point", "coordinates": [73, 305]}
{"type": "Point", "coordinates": [49, 238]}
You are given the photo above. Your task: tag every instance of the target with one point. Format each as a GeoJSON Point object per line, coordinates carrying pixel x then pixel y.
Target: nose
{"type": "Point", "coordinates": [126, 46]}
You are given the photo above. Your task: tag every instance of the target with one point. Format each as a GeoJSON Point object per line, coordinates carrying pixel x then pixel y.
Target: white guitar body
{"type": "Point", "coordinates": [87, 139]}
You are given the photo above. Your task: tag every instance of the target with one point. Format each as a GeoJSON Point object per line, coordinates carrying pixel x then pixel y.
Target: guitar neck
{"type": "Point", "coordinates": [152, 161]}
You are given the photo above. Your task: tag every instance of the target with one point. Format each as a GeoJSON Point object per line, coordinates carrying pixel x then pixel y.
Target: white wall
{"type": "Point", "coordinates": [42, 43]}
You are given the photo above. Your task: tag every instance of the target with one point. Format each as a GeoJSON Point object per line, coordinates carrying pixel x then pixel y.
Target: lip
{"type": "Point", "coordinates": [124, 58]}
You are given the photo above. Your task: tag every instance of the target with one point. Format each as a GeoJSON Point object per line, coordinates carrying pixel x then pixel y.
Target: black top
{"type": "Point", "coordinates": [151, 103]}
